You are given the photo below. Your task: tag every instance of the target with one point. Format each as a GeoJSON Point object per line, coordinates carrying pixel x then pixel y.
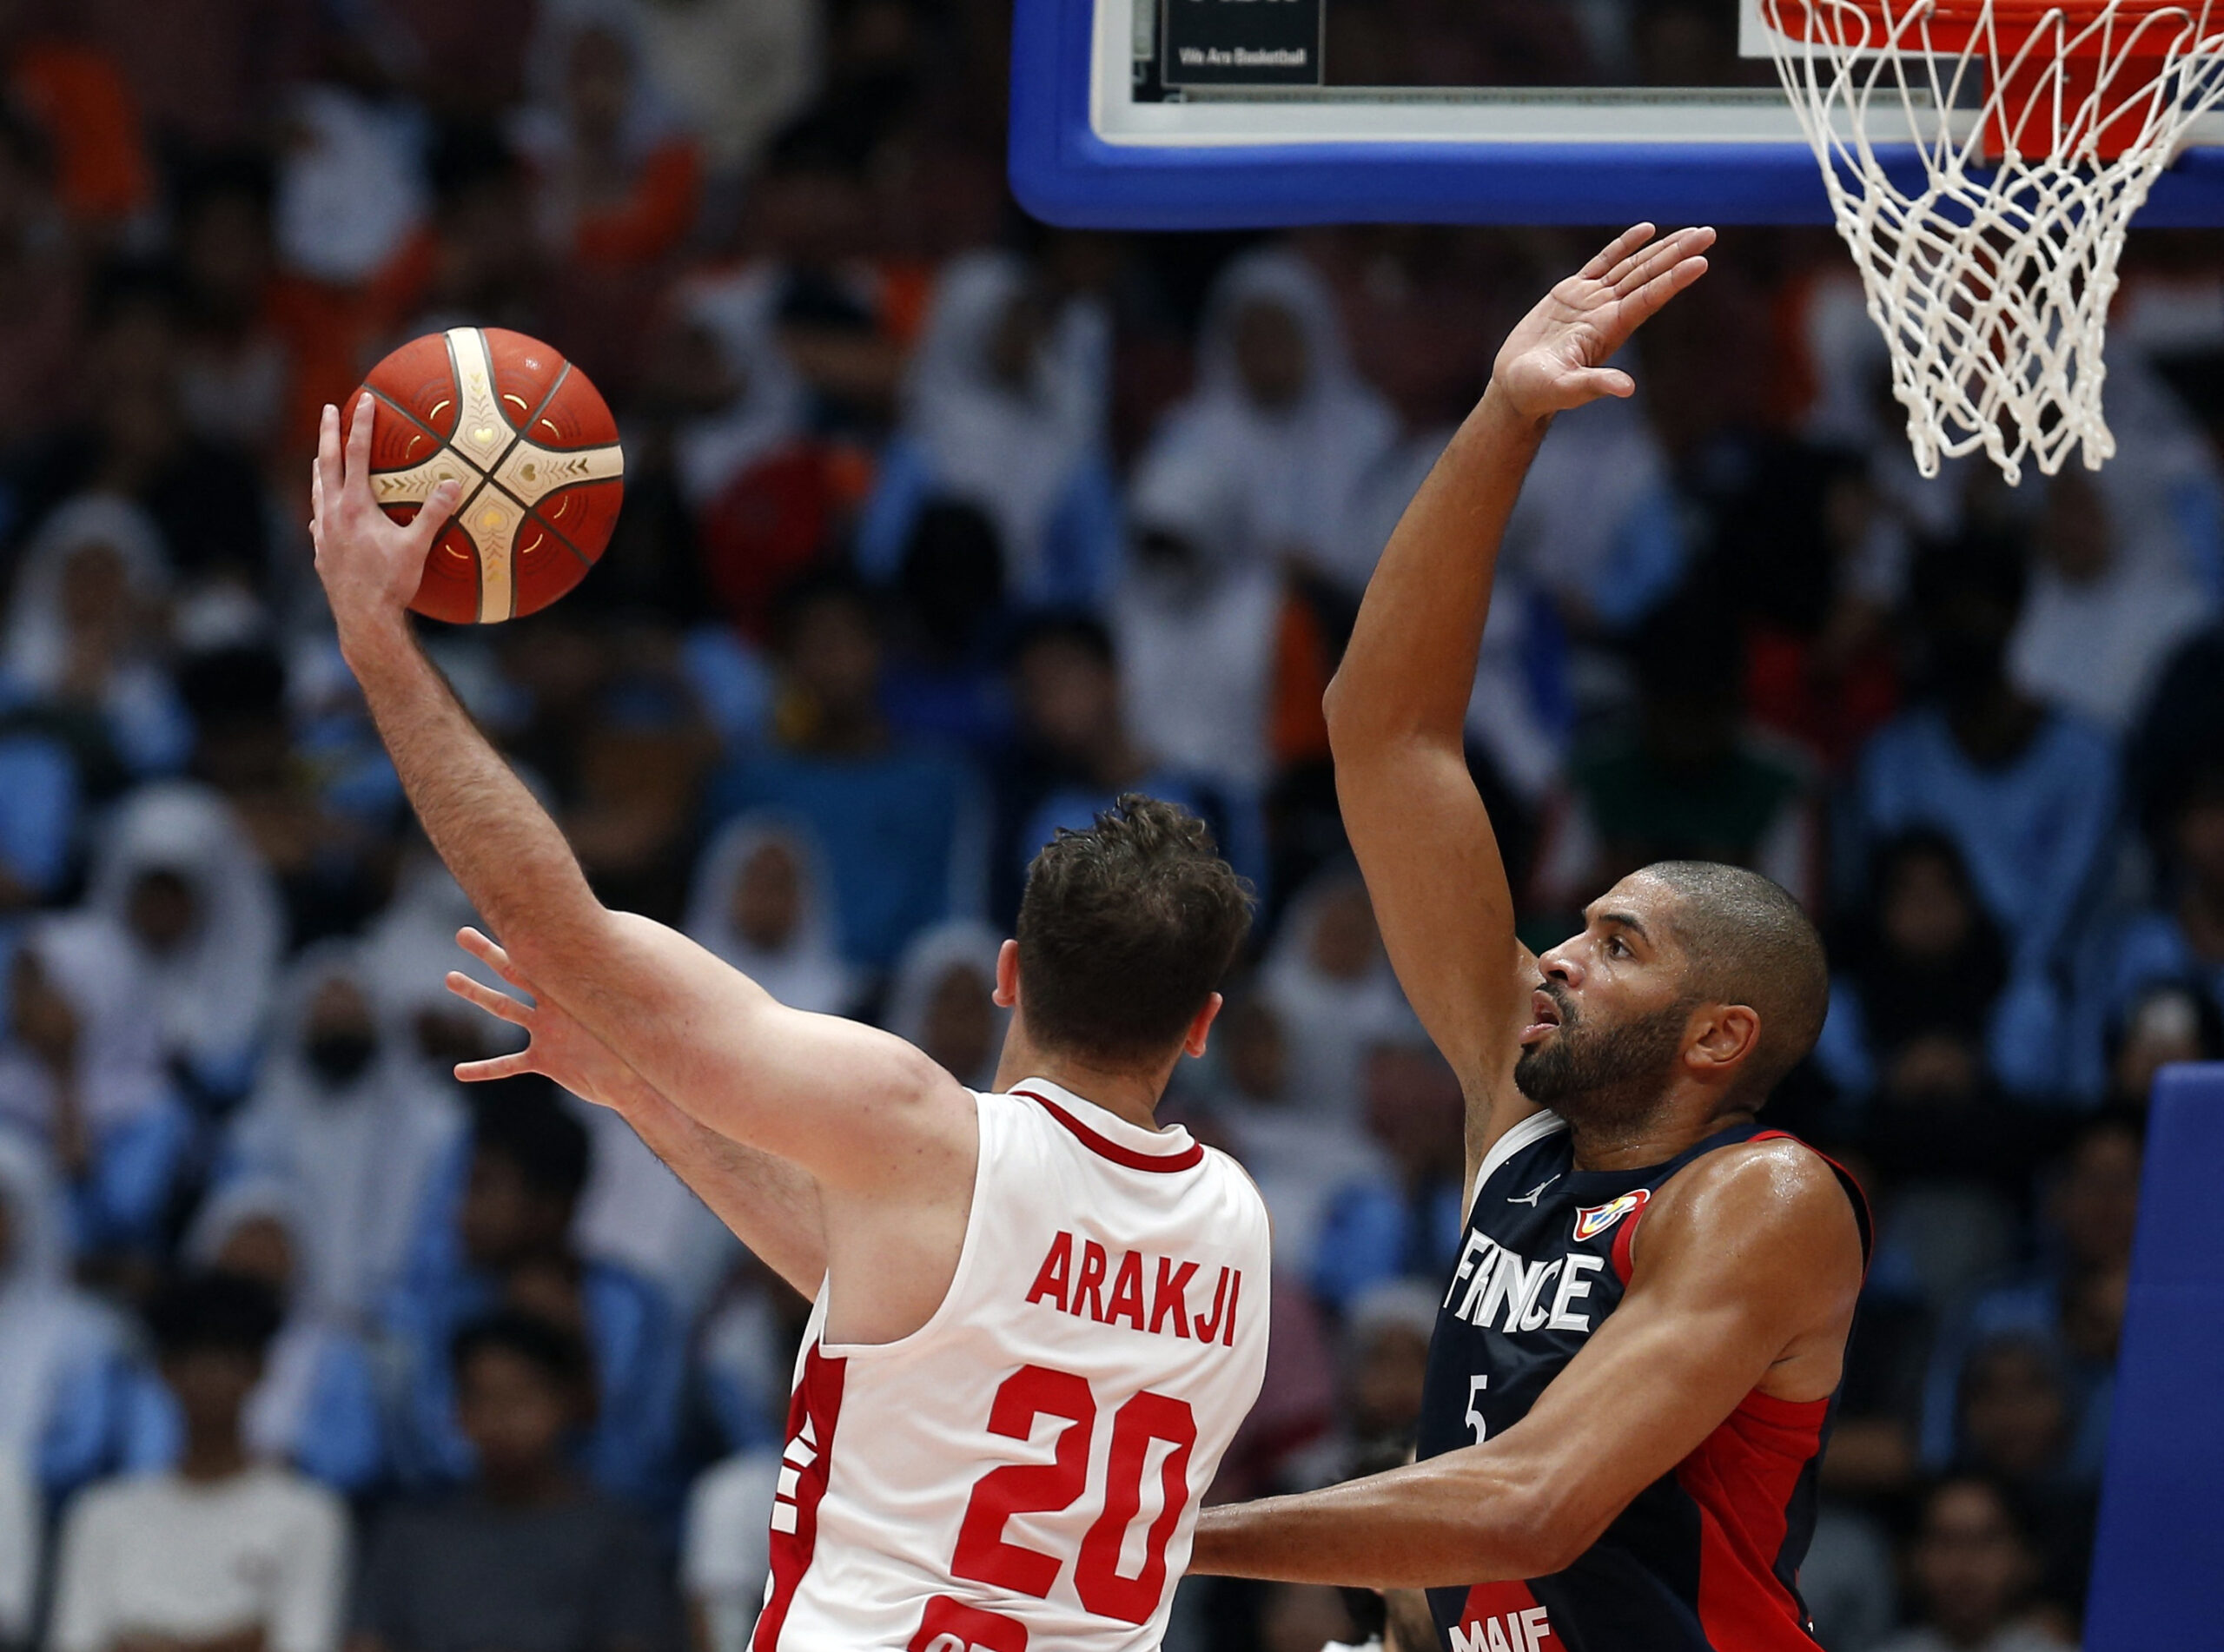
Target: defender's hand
{"type": "Point", "coordinates": [560, 1048]}
{"type": "Point", "coordinates": [369, 563]}
{"type": "Point", "coordinates": [1556, 359]}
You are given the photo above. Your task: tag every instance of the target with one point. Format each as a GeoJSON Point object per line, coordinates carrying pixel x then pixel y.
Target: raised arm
{"type": "Point", "coordinates": [859, 1110]}
{"type": "Point", "coordinates": [1397, 710]}
{"type": "Point", "coordinates": [770, 1204]}
{"type": "Point", "coordinates": [1745, 1272]}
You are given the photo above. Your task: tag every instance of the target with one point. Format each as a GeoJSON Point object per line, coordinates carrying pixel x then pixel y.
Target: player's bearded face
{"type": "Point", "coordinates": [1591, 1071]}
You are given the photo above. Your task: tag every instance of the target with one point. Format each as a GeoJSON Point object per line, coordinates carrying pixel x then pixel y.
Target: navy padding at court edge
{"type": "Point", "coordinates": [2158, 1568]}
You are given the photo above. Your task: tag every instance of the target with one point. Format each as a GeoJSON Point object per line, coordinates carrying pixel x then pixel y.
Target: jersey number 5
{"type": "Point", "coordinates": [984, 1556]}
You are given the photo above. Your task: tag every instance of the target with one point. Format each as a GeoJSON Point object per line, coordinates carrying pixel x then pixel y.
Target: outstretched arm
{"type": "Point", "coordinates": [1746, 1269]}
{"type": "Point", "coordinates": [1397, 710]}
{"type": "Point", "coordinates": [858, 1109]}
{"type": "Point", "coordinates": [771, 1205]}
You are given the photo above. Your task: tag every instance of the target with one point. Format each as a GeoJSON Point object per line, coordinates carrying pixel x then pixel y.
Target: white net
{"type": "Point", "coordinates": [1984, 159]}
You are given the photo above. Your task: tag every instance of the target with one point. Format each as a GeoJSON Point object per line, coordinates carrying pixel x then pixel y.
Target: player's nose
{"type": "Point", "coordinates": [1561, 965]}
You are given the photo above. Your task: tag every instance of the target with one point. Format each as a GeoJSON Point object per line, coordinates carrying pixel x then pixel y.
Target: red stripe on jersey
{"type": "Point", "coordinates": [1105, 1149]}
{"type": "Point", "coordinates": [1618, 1253]}
{"type": "Point", "coordinates": [1742, 1477]}
{"type": "Point", "coordinates": [812, 1414]}
{"type": "Point", "coordinates": [1504, 1615]}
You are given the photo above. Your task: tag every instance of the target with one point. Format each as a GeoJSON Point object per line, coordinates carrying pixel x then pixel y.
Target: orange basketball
{"type": "Point", "coordinates": [535, 448]}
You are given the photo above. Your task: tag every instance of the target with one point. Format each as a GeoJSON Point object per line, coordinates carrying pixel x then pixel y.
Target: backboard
{"type": "Point", "coordinates": [1234, 114]}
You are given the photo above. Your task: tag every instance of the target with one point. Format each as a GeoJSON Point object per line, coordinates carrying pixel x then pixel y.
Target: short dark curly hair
{"type": "Point", "coordinates": [1126, 929]}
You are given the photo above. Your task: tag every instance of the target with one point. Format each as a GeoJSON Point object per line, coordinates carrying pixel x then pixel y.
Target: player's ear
{"type": "Point", "coordinates": [1727, 1034]}
{"type": "Point", "coordinates": [1201, 1025]}
{"type": "Point", "coordinates": [1007, 993]}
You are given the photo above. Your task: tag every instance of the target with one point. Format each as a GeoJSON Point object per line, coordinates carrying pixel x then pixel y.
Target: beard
{"type": "Point", "coordinates": [1607, 1078]}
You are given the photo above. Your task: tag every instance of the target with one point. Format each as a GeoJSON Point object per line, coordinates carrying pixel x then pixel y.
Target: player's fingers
{"type": "Point", "coordinates": [328, 453]}
{"type": "Point", "coordinates": [1602, 382]}
{"type": "Point", "coordinates": [495, 1066]}
{"type": "Point", "coordinates": [1662, 255]}
{"type": "Point", "coordinates": [316, 499]}
{"type": "Point", "coordinates": [1615, 251]}
{"type": "Point", "coordinates": [358, 474]}
{"type": "Point", "coordinates": [439, 506]}
{"type": "Point", "coordinates": [484, 947]}
{"type": "Point", "coordinates": [500, 1005]}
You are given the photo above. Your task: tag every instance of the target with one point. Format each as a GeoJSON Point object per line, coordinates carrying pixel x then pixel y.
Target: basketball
{"type": "Point", "coordinates": [533, 444]}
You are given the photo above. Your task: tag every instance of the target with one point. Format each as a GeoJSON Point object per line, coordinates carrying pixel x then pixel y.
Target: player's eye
{"type": "Point", "coordinates": [1616, 948]}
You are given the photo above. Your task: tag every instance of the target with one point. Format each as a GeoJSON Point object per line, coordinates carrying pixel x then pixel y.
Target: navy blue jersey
{"type": "Point", "coordinates": [1706, 1559]}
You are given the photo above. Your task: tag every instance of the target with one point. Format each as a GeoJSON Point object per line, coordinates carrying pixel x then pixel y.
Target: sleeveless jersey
{"type": "Point", "coordinates": [1023, 1470]}
{"type": "Point", "coordinates": [1706, 1559]}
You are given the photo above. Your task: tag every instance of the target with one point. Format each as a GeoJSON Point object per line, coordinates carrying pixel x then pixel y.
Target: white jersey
{"type": "Point", "coordinates": [1023, 1470]}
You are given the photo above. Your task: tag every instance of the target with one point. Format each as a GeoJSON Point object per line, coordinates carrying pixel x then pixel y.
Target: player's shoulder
{"type": "Point", "coordinates": [1772, 1190]}
{"type": "Point", "coordinates": [1226, 1167]}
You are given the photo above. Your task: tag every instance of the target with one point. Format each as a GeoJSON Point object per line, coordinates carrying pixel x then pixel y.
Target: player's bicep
{"type": "Point", "coordinates": [1425, 842]}
{"type": "Point", "coordinates": [855, 1106]}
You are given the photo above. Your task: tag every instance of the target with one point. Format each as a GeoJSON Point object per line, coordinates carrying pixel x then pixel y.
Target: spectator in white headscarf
{"type": "Point", "coordinates": [61, 1351]}
{"type": "Point", "coordinates": [1329, 981]}
{"type": "Point", "coordinates": [943, 1000]}
{"type": "Point", "coordinates": [1004, 409]}
{"type": "Point", "coordinates": [735, 70]}
{"type": "Point", "coordinates": [739, 397]}
{"type": "Point", "coordinates": [82, 1073]}
{"type": "Point", "coordinates": [761, 902]}
{"type": "Point", "coordinates": [85, 629]}
{"type": "Point", "coordinates": [408, 953]}
{"type": "Point", "coordinates": [1196, 617]}
{"type": "Point", "coordinates": [316, 1404]}
{"type": "Point", "coordinates": [2112, 593]}
{"type": "Point", "coordinates": [180, 874]}
{"type": "Point", "coordinates": [1279, 405]}
{"type": "Point", "coordinates": [352, 1125]}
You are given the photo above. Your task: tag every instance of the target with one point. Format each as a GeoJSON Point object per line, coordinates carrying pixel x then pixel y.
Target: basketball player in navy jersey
{"type": "Point", "coordinates": [1634, 1361]}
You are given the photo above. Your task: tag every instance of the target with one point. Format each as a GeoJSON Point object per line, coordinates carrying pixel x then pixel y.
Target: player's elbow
{"type": "Point", "coordinates": [1345, 710]}
{"type": "Point", "coordinates": [1370, 717]}
{"type": "Point", "coordinates": [1535, 1529]}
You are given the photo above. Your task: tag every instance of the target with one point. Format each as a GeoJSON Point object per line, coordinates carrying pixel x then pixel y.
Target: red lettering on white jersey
{"type": "Point", "coordinates": [1024, 1471]}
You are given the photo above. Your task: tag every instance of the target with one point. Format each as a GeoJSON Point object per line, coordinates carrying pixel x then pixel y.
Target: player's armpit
{"type": "Point", "coordinates": [859, 1109]}
{"type": "Point", "coordinates": [1750, 1273]}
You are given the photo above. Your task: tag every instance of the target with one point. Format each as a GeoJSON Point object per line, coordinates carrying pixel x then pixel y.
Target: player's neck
{"type": "Point", "coordinates": [1123, 1092]}
{"type": "Point", "coordinates": [1636, 1144]}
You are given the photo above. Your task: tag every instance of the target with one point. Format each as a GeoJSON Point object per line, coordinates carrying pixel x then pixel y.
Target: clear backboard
{"type": "Point", "coordinates": [1230, 114]}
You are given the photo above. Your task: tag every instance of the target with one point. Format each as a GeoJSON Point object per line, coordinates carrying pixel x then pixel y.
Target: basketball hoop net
{"type": "Point", "coordinates": [1988, 250]}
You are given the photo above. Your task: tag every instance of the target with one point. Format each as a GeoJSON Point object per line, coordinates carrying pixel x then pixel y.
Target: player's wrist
{"type": "Point", "coordinates": [373, 636]}
{"type": "Point", "coordinates": [1505, 408]}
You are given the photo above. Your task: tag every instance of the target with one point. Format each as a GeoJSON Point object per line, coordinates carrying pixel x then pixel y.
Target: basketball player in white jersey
{"type": "Point", "coordinates": [1039, 1317]}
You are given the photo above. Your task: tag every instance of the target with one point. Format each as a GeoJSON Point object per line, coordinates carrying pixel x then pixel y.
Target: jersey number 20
{"type": "Point", "coordinates": [985, 1556]}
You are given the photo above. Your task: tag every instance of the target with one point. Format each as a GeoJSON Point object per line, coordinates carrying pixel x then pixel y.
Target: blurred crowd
{"type": "Point", "coordinates": [942, 530]}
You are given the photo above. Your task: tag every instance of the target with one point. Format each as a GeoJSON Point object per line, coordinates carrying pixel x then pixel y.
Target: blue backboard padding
{"type": "Point", "coordinates": [1062, 172]}
{"type": "Point", "coordinates": [2158, 1568]}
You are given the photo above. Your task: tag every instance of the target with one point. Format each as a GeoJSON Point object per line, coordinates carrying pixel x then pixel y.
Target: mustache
{"type": "Point", "coordinates": [1561, 1000]}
